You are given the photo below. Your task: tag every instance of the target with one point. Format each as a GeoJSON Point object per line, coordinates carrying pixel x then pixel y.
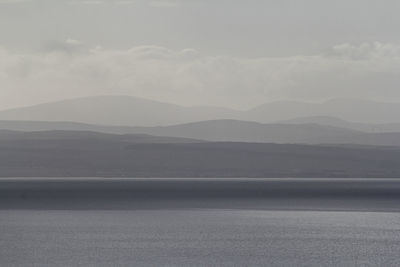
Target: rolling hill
{"type": "Point", "coordinates": [357, 110]}
{"type": "Point", "coordinates": [336, 122]}
{"type": "Point", "coordinates": [245, 131]}
{"type": "Point", "coordinates": [132, 111]}
{"type": "Point", "coordinates": [92, 155]}
{"type": "Point", "coordinates": [214, 131]}
{"type": "Point", "coordinates": [9, 137]}
{"type": "Point", "coordinates": [115, 110]}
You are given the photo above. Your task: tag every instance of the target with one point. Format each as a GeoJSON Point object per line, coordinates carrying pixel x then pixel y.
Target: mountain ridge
{"type": "Point", "coordinates": [132, 111]}
{"type": "Point", "coordinates": [225, 131]}
{"type": "Point", "coordinates": [338, 122]}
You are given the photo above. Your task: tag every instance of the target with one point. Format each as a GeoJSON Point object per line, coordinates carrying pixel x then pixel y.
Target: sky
{"type": "Point", "coordinates": [227, 53]}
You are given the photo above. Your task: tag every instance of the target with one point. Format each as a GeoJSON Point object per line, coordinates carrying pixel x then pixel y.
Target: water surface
{"type": "Point", "coordinates": [192, 222]}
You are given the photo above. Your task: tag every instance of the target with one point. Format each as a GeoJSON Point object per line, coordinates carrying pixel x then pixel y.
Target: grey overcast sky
{"type": "Point", "coordinates": [222, 52]}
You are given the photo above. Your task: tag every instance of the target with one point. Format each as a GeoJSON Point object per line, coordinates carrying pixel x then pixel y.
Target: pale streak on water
{"type": "Point", "coordinates": [198, 236]}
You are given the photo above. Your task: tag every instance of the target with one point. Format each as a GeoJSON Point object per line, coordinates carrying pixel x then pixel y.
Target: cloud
{"type": "Point", "coordinates": [151, 3]}
{"type": "Point", "coordinates": [102, 2]}
{"type": "Point", "coordinates": [163, 3]}
{"type": "Point", "coordinates": [69, 46]}
{"type": "Point", "coordinates": [73, 69]}
{"type": "Point", "coordinates": [14, 1]}
{"type": "Point", "coordinates": [365, 51]}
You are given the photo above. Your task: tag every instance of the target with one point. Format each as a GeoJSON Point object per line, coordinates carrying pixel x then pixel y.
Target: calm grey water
{"type": "Point", "coordinates": [72, 223]}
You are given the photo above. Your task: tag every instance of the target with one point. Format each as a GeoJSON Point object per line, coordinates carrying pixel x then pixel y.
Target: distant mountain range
{"type": "Point", "coordinates": [131, 111]}
{"type": "Point", "coordinates": [245, 131]}
{"type": "Point", "coordinates": [173, 123]}
{"type": "Point", "coordinates": [116, 110]}
{"type": "Point", "coordinates": [215, 131]}
{"type": "Point", "coordinates": [355, 110]}
{"type": "Point", "coordinates": [336, 122]}
{"type": "Point", "coordinates": [118, 136]}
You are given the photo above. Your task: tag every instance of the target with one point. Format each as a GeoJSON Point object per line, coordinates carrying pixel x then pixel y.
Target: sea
{"type": "Point", "coordinates": [199, 222]}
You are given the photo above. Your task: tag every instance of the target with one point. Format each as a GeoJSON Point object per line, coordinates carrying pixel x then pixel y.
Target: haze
{"type": "Point", "coordinates": [236, 54]}
{"type": "Point", "coordinates": [199, 133]}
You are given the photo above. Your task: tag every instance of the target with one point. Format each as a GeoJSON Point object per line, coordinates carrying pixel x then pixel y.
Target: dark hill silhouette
{"type": "Point", "coordinates": [105, 156]}
{"type": "Point", "coordinates": [24, 138]}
